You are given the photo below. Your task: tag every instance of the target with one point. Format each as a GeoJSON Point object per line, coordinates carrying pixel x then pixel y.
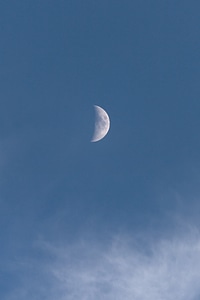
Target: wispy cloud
{"type": "Point", "coordinates": [165, 269]}
{"type": "Point", "coordinates": [168, 270]}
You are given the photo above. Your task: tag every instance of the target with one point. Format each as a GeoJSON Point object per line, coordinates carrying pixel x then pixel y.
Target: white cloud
{"type": "Point", "coordinates": [165, 269]}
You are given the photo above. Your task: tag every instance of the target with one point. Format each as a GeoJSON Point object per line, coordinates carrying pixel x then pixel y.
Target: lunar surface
{"type": "Point", "coordinates": [102, 124]}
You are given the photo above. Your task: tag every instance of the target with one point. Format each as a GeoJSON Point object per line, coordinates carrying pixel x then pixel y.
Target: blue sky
{"type": "Point", "coordinates": [105, 220]}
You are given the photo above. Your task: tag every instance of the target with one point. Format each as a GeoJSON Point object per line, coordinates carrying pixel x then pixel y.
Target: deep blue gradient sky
{"type": "Point", "coordinates": [140, 61]}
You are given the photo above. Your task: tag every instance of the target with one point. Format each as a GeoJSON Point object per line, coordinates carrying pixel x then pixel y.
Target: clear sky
{"type": "Point", "coordinates": [117, 219]}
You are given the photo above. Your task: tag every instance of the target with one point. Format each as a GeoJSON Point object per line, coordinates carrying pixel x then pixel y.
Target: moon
{"type": "Point", "coordinates": [102, 124]}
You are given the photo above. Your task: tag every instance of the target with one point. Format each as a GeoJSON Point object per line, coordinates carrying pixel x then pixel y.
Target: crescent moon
{"type": "Point", "coordinates": [102, 124]}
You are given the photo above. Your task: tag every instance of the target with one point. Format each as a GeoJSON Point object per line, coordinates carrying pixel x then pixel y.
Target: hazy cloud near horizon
{"type": "Point", "coordinates": [125, 268]}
